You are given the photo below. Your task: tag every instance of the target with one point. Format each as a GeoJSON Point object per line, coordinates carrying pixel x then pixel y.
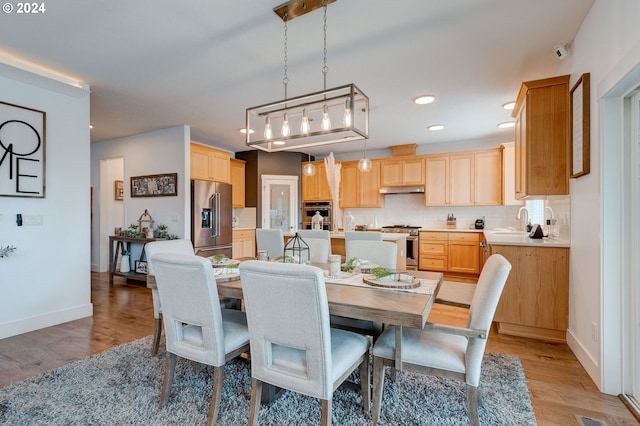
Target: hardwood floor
{"type": "Point", "coordinates": [559, 386]}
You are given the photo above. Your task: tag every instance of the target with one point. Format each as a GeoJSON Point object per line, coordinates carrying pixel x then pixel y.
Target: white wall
{"type": "Point", "coordinates": [111, 213]}
{"type": "Point", "coordinates": [47, 280]}
{"type": "Point", "coordinates": [162, 151]}
{"type": "Point", "coordinates": [608, 43]}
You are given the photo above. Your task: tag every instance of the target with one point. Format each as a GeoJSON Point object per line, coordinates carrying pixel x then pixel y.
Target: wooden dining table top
{"type": "Point", "coordinates": [396, 307]}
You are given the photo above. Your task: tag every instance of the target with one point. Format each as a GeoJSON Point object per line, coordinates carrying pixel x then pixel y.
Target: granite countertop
{"type": "Point", "coordinates": [390, 236]}
{"type": "Point", "coordinates": [515, 238]}
{"type": "Point", "coordinates": [240, 228]}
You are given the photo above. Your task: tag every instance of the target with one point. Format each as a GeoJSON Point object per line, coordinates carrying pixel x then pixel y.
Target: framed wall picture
{"type": "Point", "coordinates": [22, 151]}
{"type": "Point", "coordinates": [141, 267]}
{"type": "Point", "coordinates": [118, 190]}
{"type": "Point", "coordinates": [154, 185]}
{"type": "Point", "coordinates": [580, 128]}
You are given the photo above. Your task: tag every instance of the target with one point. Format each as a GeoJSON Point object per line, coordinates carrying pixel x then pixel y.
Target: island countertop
{"type": "Point", "coordinates": [501, 238]}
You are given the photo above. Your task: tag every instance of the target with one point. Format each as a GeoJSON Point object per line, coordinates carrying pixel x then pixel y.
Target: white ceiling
{"type": "Point", "coordinates": [154, 64]}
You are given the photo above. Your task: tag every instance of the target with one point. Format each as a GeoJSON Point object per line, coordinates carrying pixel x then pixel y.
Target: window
{"type": "Point", "coordinates": [536, 211]}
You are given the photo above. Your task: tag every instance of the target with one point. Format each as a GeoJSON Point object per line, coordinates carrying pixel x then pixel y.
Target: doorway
{"type": "Point", "coordinates": [111, 210]}
{"type": "Point", "coordinates": [280, 202]}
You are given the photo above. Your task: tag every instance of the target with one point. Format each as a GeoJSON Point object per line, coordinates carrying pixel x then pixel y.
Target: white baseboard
{"type": "Point", "coordinates": [26, 325]}
{"type": "Point", "coordinates": [590, 365]}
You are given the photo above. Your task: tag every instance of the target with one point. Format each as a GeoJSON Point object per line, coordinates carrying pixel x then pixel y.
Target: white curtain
{"type": "Point", "coordinates": [333, 178]}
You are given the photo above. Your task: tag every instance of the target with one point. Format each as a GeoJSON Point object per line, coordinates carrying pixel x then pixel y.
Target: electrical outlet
{"type": "Point", "coordinates": [594, 331]}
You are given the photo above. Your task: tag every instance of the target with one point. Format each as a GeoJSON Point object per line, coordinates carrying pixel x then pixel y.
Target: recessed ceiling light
{"type": "Point", "coordinates": [509, 105]}
{"type": "Point", "coordinates": [244, 131]}
{"type": "Point", "coordinates": [436, 127]}
{"type": "Point", "coordinates": [424, 99]}
{"type": "Point", "coordinates": [506, 124]}
{"type": "Point", "coordinates": [278, 142]}
{"type": "Point", "coordinates": [90, 126]}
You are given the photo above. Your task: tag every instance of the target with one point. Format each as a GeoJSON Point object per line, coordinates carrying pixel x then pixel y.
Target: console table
{"type": "Point", "coordinates": [116, 245]}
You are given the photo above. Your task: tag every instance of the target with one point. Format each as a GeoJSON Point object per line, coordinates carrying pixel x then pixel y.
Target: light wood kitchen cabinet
{"type": "Point", "coordinates": [535, 299]}
{"type": "Point", "coordinates": [464, 255]}
{"type": "Point", "coordinates": [542, 138]}
{"type": "Point", "coordinates": [453, 252]}
{"type": "Point", "coordinates": [508, 175]}
{"type": "Point", "coordinates": [237, 183]}
{"type": "Point", "coordinates": [243, 243]}
{"type": "Point", "coordinates": [464, 179]}
{"type": "Point", "coordinates": [210, 164]}
{"type": "Point", "coordinates": [487, 169]}
{"type": "Point", "coordinates": [316, 187]}
{"type": "Point", "coordinates": [360, 189]}
{"type": "Point", "coordinates": [402, 172]}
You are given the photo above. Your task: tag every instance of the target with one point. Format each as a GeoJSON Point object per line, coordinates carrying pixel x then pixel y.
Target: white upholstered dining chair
{"type": "Point", "coordinates": [271, 240]}
{"type": "Point", "coordinates": [292, 344]}
{"type": "Point", "coordinates": [152, 248]}
{"type": "Point", "coordinates": [319, 249]}
{"type": "Point", "coordinates": [314, 233]}
{"type": "Point", "coordinates": [382, 253]}
{"type": "Point", "coordinates": [196, 328]}
{"type": "Point", "coordinates": [446, 351]}
{"type": "Point", "coordinates": [361, 235]}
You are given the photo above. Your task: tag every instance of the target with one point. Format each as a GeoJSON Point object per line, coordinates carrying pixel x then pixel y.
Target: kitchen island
{"type": "Point", "coordinates": [535, 299]}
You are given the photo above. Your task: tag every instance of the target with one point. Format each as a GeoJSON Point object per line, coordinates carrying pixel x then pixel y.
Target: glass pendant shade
{"type": "Point", "coordinates": [326, 121]}
{"type": "Point", "coordinates": [304, 124]}
{"type": "Point", "coordinates": [268, 133]}
{"type": "Point", "coordinates": [347, 119]}
{"type": "Point", "coordinates": [364, 165]}
{"type": "Point", "coordinates": [309, 169]}
{"type": "Point", "coordinates": [286, 131]}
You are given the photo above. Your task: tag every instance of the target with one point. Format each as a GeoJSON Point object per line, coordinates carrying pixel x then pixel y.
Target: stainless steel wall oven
{"type": "Point", "coordinates": [310, 208]}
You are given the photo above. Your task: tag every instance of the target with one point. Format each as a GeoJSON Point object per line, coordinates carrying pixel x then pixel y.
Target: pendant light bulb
{"type": "Point", "coordinates": [309, 169]}
{"type": "Point", "coordinates": [304, 125]}
{"type": "Point", "coordinates": [347, 113]}
{"type": "Point", "coordinates": [286, 131]}
{"type": "Point", "coordinates": [268, 133]}
{"type": "Point", "coordinates": [326, 121]}
{"type": "Point", "coordinates": [364, 165]}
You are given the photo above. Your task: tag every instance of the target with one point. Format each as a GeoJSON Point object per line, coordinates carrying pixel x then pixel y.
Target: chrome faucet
{"type": "Point", "coordinates": [518, 216]}
{"type": "Point", "coordinates": [552, 217]}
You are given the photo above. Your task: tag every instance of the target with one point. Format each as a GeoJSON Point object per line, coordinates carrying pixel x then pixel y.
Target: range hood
{"type": "Point", "coordinates": [402, 189]}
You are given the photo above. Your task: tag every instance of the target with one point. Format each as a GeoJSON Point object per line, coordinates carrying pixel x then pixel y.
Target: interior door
{"type": "Point", "coordinates": [280, 202]}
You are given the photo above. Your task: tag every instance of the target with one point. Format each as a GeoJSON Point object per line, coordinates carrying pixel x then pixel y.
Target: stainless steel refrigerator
{"type": "Point", "coordinates": [211, 215]}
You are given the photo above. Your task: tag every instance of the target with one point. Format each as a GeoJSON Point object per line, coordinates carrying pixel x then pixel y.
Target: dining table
{"type": "Point", "coordinates": [399, 307]}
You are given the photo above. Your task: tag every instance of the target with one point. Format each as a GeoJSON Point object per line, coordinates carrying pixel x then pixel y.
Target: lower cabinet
{"type": "Point", "coordinates": [452, 252]}
{"type": "Point", "coordinates": [535, 299]}
{"type": "Point", "coordinates": [244, 243]}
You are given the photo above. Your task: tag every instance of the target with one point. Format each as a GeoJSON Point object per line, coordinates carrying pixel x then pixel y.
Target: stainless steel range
{"type": "Point", "coordinates": [412, 242]}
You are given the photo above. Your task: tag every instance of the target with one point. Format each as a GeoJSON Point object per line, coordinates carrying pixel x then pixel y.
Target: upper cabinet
{"type": "Point", "coordinates": [360, 189]}
{"type": "Point", "coordinates": [237, 183]}
{"type": "Point", "coordinates": [542, 138]}
{"type": "Point", "coordinates": [210, 164]}
{"type": "Point", "coordinates": [402, 171]}
{"type": "Point", "coordinates": [316, 187]}
{"type": "Point", "coordinates": [464, 179]}
{"type": "Point", "coordinates": [508, 175]}
{"type": "Point", "coordinates": [488, 171]}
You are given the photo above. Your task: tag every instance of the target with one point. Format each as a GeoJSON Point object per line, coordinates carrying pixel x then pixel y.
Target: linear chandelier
{"type": "Point", "coordinates": [336, 115]}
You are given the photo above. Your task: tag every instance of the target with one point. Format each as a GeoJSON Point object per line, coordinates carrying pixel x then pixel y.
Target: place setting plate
{"type": "Point", "coordinates": [394, 280]}
{"type": "Point", "coordinates": [341, 275]}
{"type": "Point", "coordinates": [223, 263]}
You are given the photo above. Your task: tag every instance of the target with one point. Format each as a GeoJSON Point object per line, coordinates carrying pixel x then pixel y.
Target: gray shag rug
{"type": "Point", "coordinates": [122, 386]}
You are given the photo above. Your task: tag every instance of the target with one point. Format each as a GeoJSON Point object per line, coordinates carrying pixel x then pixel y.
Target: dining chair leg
{"type": "Point", "coordinates": [256, 400]}
{"type": "Point", "coordinates": [327, 409]}
{"type": "Point", "coordinates": [216, 395]}
{"type": "Point", "coordinates": [378, 387]}
{"type": "Point", "coordinates": [365, 383]}
{"type": "Point", "coordinates": [169, 370]}
{"type": "Point", "coordinates": [472, 405]}
{"type": "Point", "coordinates": [157, 331]}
